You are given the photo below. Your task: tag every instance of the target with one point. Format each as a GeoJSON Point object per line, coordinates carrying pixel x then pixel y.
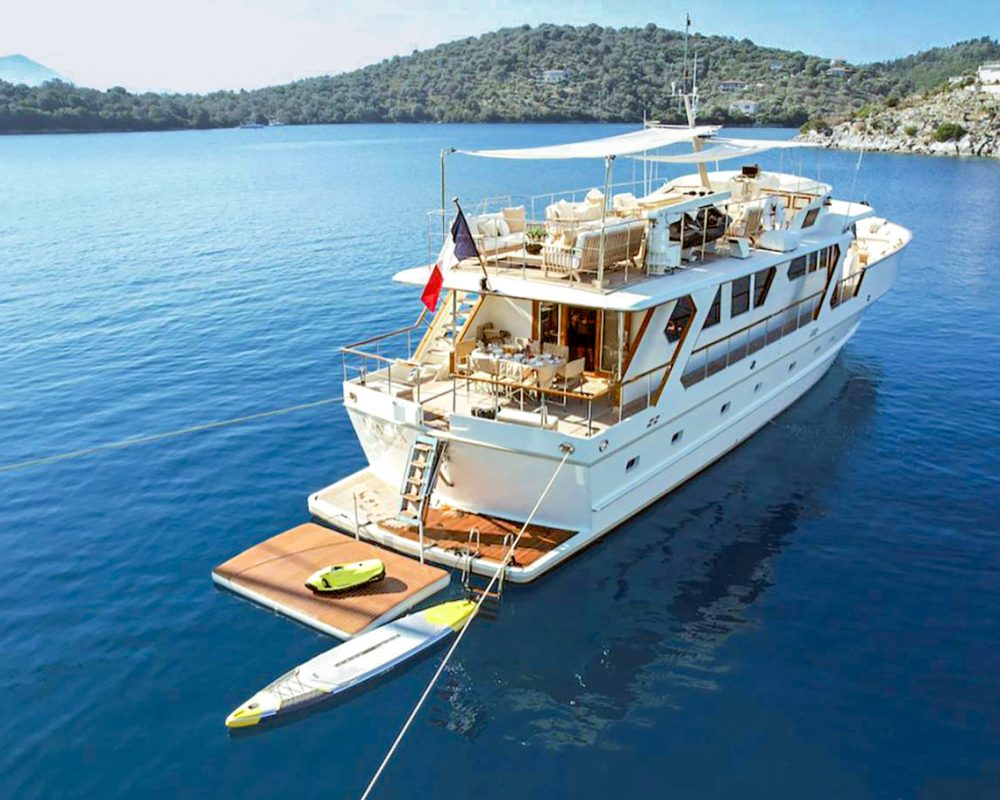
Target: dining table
{"type": "Point", "coordinates": [543, 365]}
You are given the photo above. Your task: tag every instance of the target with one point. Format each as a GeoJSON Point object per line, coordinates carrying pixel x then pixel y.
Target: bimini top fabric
{"type": "Point", "coordinates": [609, 147]}
{"type": "Point", "coordinates": [723, 149]}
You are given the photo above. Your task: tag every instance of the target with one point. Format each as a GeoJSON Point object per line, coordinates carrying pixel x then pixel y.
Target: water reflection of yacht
{"type": "Point", "coordinates": [669, 592]}
{"type": "Point", "coordinates": [658, 326]}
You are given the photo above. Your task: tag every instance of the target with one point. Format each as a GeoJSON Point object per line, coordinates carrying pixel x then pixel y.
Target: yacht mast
{"type": "Point", "coordinates": [690, 99]}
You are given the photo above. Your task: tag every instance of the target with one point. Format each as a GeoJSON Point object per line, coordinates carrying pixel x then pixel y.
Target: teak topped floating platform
{"type": "Point", "coordinates": [273, 574]}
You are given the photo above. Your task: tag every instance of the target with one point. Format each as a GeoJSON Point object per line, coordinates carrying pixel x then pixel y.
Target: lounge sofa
{"type": "Point", "coordinates": [581, 253]}
{"type": "Point", "coordinates": [499, 232]}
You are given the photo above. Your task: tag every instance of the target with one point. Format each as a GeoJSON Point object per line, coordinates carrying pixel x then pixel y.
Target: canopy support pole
{"type": "Point", "coordinates": [696, 142]}
{"type": "Point", "coordinates": [444, 197]}
{"type": "Point", "coordinates": [608, 160]}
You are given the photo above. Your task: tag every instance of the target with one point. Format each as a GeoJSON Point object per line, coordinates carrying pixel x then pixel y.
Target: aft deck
{"type": "Point", "coordinates": [439, 400]}
{"type": "Point", "coordinates": [451, 536]}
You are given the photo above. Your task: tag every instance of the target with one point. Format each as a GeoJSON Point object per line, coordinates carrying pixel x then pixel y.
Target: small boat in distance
{"type": "Point", "coordinates": [252, 124]}
{"type": "Point", "coordinates": [349, 664]}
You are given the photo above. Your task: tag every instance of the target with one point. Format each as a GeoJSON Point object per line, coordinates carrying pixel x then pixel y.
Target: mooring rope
{"type": "Point", "coordinates": [156, 437]}
{"type": "Point", "coordinates": [454, 645]}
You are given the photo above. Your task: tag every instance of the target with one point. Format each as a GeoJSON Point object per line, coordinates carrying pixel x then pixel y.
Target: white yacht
{"type": "Point", "coordinates": [645, 328]}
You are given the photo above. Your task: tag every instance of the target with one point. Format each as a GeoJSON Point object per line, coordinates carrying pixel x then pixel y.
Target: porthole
{"type": "Point", "coordinates": [603, 445]}
{"type": "Point", "coordinates": [818, 348]}
{"type": "Point", "coordinates": [791, 366]}
{"type": "Point", "coordinates": [725, 407]}
{"type": "Point", "coordinates": [678, 435]}
{"type": "Point", "coordinates": [756, 388]}
{"type": "Point", "coordinates": [631, 463]}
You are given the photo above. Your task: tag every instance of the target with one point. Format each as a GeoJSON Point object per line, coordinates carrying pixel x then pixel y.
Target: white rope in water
{"type": "Point", "coordinates": [156, 437]}
{"type": "Point", "coordinates": [461, 633]}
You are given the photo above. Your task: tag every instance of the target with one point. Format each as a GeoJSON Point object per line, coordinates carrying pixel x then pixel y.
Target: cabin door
{"type": "Point", "coordinates": [581, 336]}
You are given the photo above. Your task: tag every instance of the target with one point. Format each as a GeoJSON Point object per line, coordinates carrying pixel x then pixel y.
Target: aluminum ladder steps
{"type": "Point", "coordinates": [418, 478]}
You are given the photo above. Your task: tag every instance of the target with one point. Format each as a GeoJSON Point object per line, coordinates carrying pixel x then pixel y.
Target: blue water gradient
{"type": "Point", "coordinates": [814, 616]}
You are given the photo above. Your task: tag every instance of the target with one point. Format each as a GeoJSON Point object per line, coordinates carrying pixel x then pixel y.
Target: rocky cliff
{"type": "Point", "coordinates": [957, 120]}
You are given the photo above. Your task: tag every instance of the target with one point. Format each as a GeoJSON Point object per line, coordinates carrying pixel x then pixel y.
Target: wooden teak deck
{"type": "Point", "coordinates": [273, 573]}
{"type": "Point", "coordinates": [446, 530]}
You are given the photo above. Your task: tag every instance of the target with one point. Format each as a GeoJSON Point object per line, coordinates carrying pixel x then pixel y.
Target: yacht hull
{"type": "Point", "coordinates": [500, 470]}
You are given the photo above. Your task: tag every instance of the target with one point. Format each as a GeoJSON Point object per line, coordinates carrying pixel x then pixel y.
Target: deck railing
{"type": "Point", "coordinates": [357, 358]}
{"type": "Point", "coordinates": [715, 357]}
{"type": "Point", "coordinates": [499, 386]}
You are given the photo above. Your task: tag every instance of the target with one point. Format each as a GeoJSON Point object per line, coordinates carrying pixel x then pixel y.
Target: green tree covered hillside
{"type": "Point", "coordinates": [602, 74]}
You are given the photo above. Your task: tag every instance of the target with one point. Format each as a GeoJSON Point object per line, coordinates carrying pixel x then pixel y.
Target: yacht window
{"type": "Point", "coordinates": [762, 285]}
{"type": "Point", "coordinates": [676, 437]}
{"type": "Point", "coordinates": [832, 256]}
{"type": "Point", "coordinates": [725, 407]}
{"type": "Point", "coordinates": [797, 268]}
{"type": "Point", "coordinates": [680, 318]}
{"type": "Point", "coordinates": [715, 312]}
{"type": "Point", "coordinates": [810, 217]}
{"type": "Point", "coordinates": [631, 463]}
{"type": "Point", "coordinates": [741, 296]}
{"type": "Point", "coordinates": [548, 323]}
{"type": "Point", "coordinates": [814, 260]}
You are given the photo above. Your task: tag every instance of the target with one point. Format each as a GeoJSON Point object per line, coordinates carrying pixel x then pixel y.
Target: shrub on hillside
{"type": "Point", "coordinates": [949, 132]}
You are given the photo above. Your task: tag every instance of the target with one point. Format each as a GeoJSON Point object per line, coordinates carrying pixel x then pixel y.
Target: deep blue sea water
{"type": "Point", "coordinates": [816, 616]}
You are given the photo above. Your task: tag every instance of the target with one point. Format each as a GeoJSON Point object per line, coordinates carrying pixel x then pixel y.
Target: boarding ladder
{"type": "Point", "coordinates": [472, 549]}
{"type": "Point", "coordinates": [418, 482]}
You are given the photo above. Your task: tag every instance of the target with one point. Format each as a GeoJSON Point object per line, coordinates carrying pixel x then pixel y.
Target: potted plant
{"type": "Point", "coordinates": [534, 236]}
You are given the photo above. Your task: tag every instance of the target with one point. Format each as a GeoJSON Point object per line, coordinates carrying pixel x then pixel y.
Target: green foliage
{"type": "Point", "coordinates": [949, 132]}
{"type": "Point", "coordinates": [910, 130]}
{"type": "Point", "coordinates": [819, 125]}
{"type": "Point", "coordinates": [613, 75]}
{"type": "Point", "coordinates": [892, 100]}
{"type": "Point", "coordinates": [536, 233]}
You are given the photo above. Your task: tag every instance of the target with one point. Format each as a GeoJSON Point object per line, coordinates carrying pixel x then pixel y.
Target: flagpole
{"type": "Point", "coordinates": [485, 283]}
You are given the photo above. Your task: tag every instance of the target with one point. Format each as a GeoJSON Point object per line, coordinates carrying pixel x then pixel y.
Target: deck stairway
{"type": "Point", "coordinates": [452, 316]}
{"type": "Point", "coordinates": [418, 478]}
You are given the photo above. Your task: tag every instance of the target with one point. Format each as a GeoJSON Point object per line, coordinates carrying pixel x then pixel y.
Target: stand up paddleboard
{"type": "Point", "coordinates": [356, 661]}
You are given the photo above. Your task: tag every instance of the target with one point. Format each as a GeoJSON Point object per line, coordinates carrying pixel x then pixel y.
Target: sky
{"type": "Point", "coordinates": [201, 45]}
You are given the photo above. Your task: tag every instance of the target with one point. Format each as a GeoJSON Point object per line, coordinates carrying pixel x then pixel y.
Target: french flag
{"type": "Point", "coordinates": [457, 247]}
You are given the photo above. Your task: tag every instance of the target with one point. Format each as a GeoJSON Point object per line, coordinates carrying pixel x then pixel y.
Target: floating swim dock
{"type": "Point", "coordinates": [273, 574]}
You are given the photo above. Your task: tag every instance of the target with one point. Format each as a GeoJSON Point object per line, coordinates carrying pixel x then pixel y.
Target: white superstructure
{"type": "Point", "coordinates": [651, 327]}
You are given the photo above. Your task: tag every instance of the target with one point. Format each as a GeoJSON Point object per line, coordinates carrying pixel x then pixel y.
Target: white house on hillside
{"type": "Point", "coordinates": [732, 86]}
{"type": "Point", "coordinates": [554, 75]}
{"type": "Point", "coordinates": [747, 107]}
{"type": "Point", "coordinates": [988, 76]}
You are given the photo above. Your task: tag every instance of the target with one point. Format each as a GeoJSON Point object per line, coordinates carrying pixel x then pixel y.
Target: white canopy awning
{"type": "Point", "coordinates": [723, 149]}
{"type": "Point", "coordinates": [622, 145]}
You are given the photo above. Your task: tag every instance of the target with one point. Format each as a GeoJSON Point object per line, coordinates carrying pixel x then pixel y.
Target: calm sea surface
{"type": "Point", "coordinates": [817, 615]}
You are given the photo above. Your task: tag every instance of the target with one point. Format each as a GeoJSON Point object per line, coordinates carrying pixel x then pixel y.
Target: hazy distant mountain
{"type": "Point", "coordinates": [21, 69]}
